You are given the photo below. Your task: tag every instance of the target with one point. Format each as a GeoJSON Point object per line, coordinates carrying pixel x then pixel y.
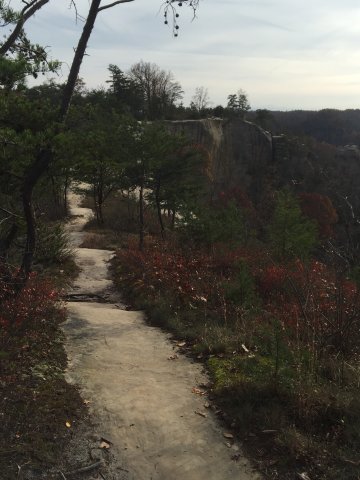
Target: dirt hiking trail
{"type": "Point", "coordinates": [140, 388]}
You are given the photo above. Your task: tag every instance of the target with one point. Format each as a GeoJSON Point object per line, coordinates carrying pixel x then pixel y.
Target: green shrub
{"type": "Point", "coordinates": [242, 291]}
{"type": "Point", "coordinates": [52, 244]}
{"type": "Point", "coordinates": [290, 233]}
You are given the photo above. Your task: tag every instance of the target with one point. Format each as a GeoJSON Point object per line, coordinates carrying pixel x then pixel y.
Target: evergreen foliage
{"type": "Point", "coordinates": [290, 233]}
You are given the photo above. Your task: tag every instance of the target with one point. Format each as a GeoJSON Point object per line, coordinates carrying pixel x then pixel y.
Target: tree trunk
{"type": "Point", "coordinates": [130, 216]}
{"type": "Point", "coordinates": [65, 198]}
{"type": "Point", "coordinates": [78, 58]}
{"type": "Point", "coordinates": [45, 156]}
{"type": "Point", "coordinates": [32, 176]}
{"type": "Point", "coordinates": [30, 233]}
{"type": "Point", "coordinates": [158, 207]}
{"type": "Point", "coordinates": [55, 192]}
{"type": "Point", "coordinates": [100, 204]}
{"type": "Point", "coordinates": [95, 203]}
{"type": "Point", "coordinates": [6, 242]}
{"type": "Point", "coordinates": [141, 217]}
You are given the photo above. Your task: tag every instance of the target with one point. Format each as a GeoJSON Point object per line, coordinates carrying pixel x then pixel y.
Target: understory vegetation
{"type": "Point", "coordinates": [39, 409]}
{"type": "Point", "coordinates": [36, 403]}
{"type": "Point", "coordinates": [273, 313]}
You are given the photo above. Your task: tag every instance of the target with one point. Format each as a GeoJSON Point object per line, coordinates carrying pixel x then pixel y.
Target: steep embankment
{"type": "Point", "coordinates": [144, 393]}
{"type": "Point", "coordinates": [238, 152]}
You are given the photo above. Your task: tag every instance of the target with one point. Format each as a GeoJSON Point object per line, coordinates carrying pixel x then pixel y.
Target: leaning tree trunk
{"type": "Point", "coordinates": [45, 156]}
{"type": "Point", "coordinates": [78, 58]}
{"type": "Point", "coordinates": [32, 176]}
{"type": "Point", "coordinates": [27, 12]}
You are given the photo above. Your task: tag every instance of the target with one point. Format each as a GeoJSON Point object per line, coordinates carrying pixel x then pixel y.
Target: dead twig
{"type": "Point", "coordinates": [9, 213]}
{"type": "Point", "coordinates": [62, 475]}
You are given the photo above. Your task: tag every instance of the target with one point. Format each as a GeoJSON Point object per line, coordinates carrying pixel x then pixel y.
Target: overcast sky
{"type": "Point", "coordinates": [285, 54]}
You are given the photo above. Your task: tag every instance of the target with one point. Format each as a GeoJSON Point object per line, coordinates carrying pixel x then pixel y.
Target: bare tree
{"type": "Point", "coordinates": [200, 100]}
{"type": "Point", "coordinates": [159, 88]}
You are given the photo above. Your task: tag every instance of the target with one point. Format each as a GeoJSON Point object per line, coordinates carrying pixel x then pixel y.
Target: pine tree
{"type": "Point", "coordinates": [290, 233]}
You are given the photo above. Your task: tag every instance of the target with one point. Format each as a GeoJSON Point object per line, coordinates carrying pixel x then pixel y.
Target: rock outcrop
{"type": "Point", "coordinates": [238, 152]}
{"type": "Point", "coordinates": [242, 155]}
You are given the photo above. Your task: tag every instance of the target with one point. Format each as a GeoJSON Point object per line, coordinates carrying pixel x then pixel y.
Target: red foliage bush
{"type": "Point", "coordinates": [321, 306]}
{"type": "Point", "coordinates": [319, 208]}
{"type": "Point", "coordinates": [242, 201]}
{"type": "Point", "coordinates": [32, 303]}
{"type": "Point", "coordinates": [187, 277]}
{"type": "Point", "coordinates": [311, 302]}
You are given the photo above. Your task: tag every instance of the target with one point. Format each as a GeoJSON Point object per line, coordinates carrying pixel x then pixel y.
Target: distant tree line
{"type": "Point", "coordinates": [336, 127]}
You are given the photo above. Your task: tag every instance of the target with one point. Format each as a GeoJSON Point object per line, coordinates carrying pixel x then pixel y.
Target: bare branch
{"type": "Point", "coordinates": [9, 213]}
{"type": "Point", "coordinates": [4, 220]}
{"type": "Point", "coordinates": [170, 10]}
{"type": "Point", "coordinates": [27, 5]}
{"type": "Point", "coordinates": [77, 14]}
{"type": "Point", "coordinates": [113, 4]}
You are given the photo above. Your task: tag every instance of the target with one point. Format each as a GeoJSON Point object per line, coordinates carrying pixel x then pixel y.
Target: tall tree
{"type": "Point", "coordinates": [163, 168]}
{"type": "Point", "coordinates": [200, 100]}
{"type": "Point", "coordinates": [95, 145]}
{"type": "Point", "coordinates": [159, 89]}
{"type": "Point", "coordinates": [291, 234]}
{"type": "Point", "coordinates": [127, 92]}
{"type": "Point", "coordinates": [174, 176]}
{"type": "Point", "coordinates": [238, 103]}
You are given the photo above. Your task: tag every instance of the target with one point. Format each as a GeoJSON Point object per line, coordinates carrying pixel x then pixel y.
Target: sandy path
{"type": "Point", "coordinates": [143, 401]}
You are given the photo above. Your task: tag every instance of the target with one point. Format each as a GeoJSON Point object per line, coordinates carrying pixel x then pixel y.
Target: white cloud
{"type": "Point", "coordinates": [283, 53]}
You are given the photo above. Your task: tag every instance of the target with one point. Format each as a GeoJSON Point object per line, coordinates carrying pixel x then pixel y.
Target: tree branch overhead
{"type": "Point", "coordinates": [118, 2]}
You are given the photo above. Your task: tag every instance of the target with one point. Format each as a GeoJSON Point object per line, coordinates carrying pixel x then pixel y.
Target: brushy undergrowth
{"type": "Point", "coordinates": [281, 342]}
{"type": "Point", "coordinates": [36, 403]}
{"type": "Point", "coordinates": [39, 410]}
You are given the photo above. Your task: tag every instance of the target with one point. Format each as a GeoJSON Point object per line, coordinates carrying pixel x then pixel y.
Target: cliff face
{"type": "Point", "coordinates": [241, 154]}
{"type": "Point", "coordinates": [238, 152]}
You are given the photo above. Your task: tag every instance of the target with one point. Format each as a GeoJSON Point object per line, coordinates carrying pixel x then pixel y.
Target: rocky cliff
{"type": "Point", "coordinates": [241, 154]}
{"type": "Point", "coordinates": [238, 152]}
